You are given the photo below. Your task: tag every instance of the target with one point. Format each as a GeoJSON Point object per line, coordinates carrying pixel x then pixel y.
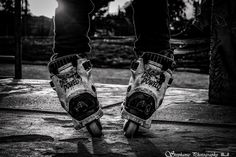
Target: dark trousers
{"type": "Point", "coordinates": [222, 88]}
{"type": "Point", "coordinates": [151, 20]}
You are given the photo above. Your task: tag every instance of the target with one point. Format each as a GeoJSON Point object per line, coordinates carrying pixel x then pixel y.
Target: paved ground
{"type": "Point", "coordinates": [32, 123]}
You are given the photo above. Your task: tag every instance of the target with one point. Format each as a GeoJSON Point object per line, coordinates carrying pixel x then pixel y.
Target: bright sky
{"type": "Point", "coordinates": [43, 7]}
{"type": "Point", "coordinates": [47, 7]}
{"type": "Point", "coordinates": [114, 5]}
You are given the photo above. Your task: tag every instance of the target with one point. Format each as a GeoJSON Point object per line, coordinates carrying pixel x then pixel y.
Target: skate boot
{"type": "Point", "coordinates": [150, 76]}
{"type": "Point", "coordinates": [71, 78]}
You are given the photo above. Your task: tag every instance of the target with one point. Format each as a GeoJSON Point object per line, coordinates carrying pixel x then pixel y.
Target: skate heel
{"type": "Point", "coordinates": [137, 110]}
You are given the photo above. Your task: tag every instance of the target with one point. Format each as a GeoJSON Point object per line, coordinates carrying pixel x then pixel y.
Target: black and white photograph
{"type": "Point", "coordinates": [117, 78]}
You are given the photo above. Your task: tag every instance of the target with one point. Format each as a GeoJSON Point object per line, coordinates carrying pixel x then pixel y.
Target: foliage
{"type": "Point", "coordinates": [100, 8]}
{"type": "Point", "coordinates": [122, 23]}
{"type": "Point", "coordinates": [99, 4]}
{"type": "Point", "coordinates": [177, 17]}
{"type": "Point", "coordinates": [7, 14]}
{"type": "Point", "coordinates": [104, 23]}
{"type": "Point", "coordinates": [7, 5]}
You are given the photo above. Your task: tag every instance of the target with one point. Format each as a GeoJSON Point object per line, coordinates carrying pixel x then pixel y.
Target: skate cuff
{"type": "Point", "coordinates": [59, 62]}
{"type": "Point", "coordinates": [166, 62]}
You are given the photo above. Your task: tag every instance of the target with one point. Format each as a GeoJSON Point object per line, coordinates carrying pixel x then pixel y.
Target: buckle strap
{"type": "Point", "coordinates": [166, 62]}
{"type": "Point", "coordinates": [59, 62]}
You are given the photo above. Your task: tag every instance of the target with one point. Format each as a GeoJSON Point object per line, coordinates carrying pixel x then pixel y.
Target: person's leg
{"type": "Point", "coordinates": [151, 20]}
{"type": "Point", "coordinates": [152, 71]}
{"type": "Point", "coordinates": [72, 26]}
{"type": "Point", "coordinates": [69, 68]}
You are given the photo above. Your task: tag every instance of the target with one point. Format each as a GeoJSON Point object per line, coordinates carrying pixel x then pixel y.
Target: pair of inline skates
{"type": "Point", "coordinates": [71, 77]}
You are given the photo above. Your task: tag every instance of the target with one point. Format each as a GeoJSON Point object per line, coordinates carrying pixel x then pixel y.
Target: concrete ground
{"type": "Point", "coordinates": [32, 123]}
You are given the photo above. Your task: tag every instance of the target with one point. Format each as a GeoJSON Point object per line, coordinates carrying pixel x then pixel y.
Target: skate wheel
{"type": "Point", "coordinates": [95, 128]}
{"type": "Point", "coordinates": [130, 128]}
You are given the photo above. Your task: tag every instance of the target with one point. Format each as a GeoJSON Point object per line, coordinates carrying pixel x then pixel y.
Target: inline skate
{"type": "Point", "coordinates": [72, 80]}
{"type": "Point", "coordinates": [151, 75]}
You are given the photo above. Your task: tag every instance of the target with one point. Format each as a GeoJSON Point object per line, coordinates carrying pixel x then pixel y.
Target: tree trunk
{"type": "Point", "coordinates": [222, 88]}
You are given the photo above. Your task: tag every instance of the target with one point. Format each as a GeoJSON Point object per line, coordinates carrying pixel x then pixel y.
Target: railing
{"type": "Point", "coordinates": [192, 54]}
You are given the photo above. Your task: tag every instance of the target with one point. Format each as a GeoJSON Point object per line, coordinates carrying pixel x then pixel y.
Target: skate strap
{"type": "Point", "coordinates": [54, 65]}
{"type": "Point", "coordinates": [166, 62]}
{"type": "Point", "coordinates": [135, 64]}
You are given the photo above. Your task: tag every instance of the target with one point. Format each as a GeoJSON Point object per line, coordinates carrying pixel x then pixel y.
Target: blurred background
{"type": "Point", "coordinates": [112, 37]}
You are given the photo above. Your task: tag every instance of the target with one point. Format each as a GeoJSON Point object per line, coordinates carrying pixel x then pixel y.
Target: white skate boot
{"type": "Point", "coordinates": [71, 78]}
{"type": "Point", "coordinates": [151, 76]}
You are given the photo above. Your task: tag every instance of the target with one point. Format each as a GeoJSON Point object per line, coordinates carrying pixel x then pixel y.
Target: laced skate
{"type": "Point", "coordinates": [151, 75]}
{"type": "Point", "coordinates": [72, 80]}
